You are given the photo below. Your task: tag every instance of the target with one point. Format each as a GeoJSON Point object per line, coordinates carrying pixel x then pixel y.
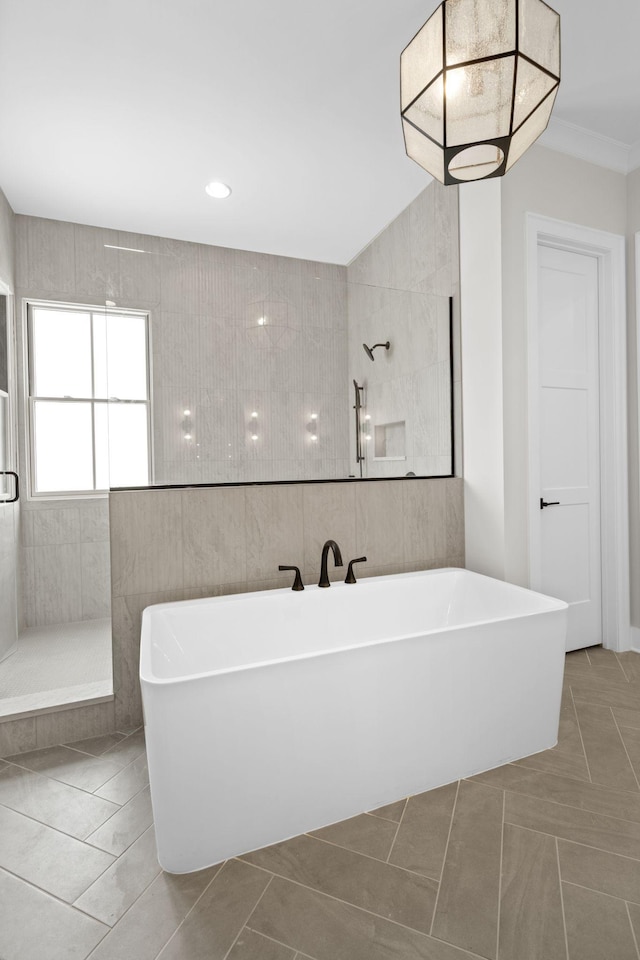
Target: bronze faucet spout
{"type": "Point", "coordinates": [337, 559]}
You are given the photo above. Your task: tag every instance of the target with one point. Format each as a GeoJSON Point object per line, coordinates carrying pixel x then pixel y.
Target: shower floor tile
{"type": "Point", "coordinates": [56, 665]}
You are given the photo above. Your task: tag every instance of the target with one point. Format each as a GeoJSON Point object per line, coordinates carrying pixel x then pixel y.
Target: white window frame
{"type": "Point", "coordinates": [29, 398]}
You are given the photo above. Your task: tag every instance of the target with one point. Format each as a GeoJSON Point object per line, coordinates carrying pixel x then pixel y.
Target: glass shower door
{"type": "Point", "coordinates": [8, 496]}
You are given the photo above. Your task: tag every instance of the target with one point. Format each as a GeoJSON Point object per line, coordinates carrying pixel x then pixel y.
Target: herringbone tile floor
{"type": "Point", "coordinates": [537, 860]}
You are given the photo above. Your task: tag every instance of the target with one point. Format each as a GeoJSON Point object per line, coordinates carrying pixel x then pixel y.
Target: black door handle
{"type": "Point", "coordinates": [543, 503]}
{"type": "Point", "coordinates": [11, 473]}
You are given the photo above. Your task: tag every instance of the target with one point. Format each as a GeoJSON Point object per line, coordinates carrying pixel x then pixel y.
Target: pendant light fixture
{"type": "Point", "coordinates": [477, 86]}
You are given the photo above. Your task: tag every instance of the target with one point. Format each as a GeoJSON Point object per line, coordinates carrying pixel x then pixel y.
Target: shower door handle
{"type": "Point", "coordinates": [12, 473]}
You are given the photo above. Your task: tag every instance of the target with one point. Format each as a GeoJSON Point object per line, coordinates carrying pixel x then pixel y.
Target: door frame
{"type": "Point", "coordinates": [609, 251]}
{"type": "Point", "coordinates": [635, 631]}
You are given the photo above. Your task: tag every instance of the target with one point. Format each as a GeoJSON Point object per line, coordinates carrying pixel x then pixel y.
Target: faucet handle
{"type": "Point", "coordinates": [350, 577]}
{"type": "Point", "coordinates": [297, 583]}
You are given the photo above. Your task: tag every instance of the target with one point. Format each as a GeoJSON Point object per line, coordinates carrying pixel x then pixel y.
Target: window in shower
{"type": "Point", "coordinates": [88, 403]}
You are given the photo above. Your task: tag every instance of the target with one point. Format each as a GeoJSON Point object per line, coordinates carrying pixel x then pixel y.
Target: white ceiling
{"type": "Point", "coordinates": [117, 112]}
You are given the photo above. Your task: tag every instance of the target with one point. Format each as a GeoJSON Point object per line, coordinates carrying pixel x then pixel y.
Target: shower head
{"type": "Point", "coordinates": [369, 350]}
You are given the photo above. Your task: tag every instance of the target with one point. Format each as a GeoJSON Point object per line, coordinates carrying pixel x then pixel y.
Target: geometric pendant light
{"type": "Point", "coordinates": [477, 86]}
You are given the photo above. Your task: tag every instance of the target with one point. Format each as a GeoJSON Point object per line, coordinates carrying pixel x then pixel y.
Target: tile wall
{"type": "Point", "coordinates": [182, 544]}
{"type": "Point", "coordinates": [59, 726]}
{"type": "Point", "coordinates": [399, 289]}
{"type": "Point", "coordinates": [205, 305]}
{"type": "Point", "coordinates": [209, 355]}
{"type": "Point", "coordinates": [65, 561]}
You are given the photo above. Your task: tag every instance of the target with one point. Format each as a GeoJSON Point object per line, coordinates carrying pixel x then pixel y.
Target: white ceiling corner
{"type": "Point", "coordinates": [587, 145]}
{"type": "Point", "coordinates": [634, 157]}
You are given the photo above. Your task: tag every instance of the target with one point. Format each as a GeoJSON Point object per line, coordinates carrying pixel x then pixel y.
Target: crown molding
{"type": "Point", "coordinates": [634, 157]}
{"type": "Point", "coordinates": [594, 147]}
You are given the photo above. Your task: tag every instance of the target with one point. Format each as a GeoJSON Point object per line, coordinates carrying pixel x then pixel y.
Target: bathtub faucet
{"type": "Point", "coordinates": [337, 559]}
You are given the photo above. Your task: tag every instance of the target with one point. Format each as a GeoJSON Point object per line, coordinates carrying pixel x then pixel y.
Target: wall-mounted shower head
{"type": "Point", "coordinates": [369, 350]}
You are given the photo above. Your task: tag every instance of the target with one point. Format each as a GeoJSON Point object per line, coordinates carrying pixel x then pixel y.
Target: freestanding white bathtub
{"type": "Point", "coordinates": [274, 713]}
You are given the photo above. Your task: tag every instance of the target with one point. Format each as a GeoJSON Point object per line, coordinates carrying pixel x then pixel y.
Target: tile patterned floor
{"type": "Point", "coordinates": [537, 860]}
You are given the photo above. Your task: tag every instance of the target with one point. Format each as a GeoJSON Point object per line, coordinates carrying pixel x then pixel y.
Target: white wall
{"type": "Point", "coordinates": [482, 399]}
{"type": "Point", "coordinates": [7, 249]}
{"type": "Point", "coordinates": [633, 360]}
{"type": "Point", "coordinates": [553, 185]}
{"type": "Point", "coordinates": [494, 347]}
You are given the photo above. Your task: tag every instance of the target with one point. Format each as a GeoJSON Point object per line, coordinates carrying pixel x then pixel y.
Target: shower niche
{"type": "Point", "coordinates": [389, 441]}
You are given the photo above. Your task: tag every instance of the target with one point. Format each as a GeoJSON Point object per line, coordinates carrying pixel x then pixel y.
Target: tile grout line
{"type": "Point", "coordinates": [601, 893]}
{"type": "Point", "coordinates": [74, 903]}
{"type": "Point", "coordinates": [47, 893]}
{"type": "Point", "coordinates": [395, 836]}
{"type": "Point", "coordinates": [624, 746]}
{"type": "Point", "coordinates": [371, 813]}
{"type": "Point", "coordinates": [121, 807]}
{"type": "Point", "coordinates": [63, 833]}
{"type": "Point", "coordinates": [577, 843]}
{"type": "Point", "coordinates": [584, 750]}
{"type": "Point", "coordinates": [46, 776]}
{"type": "Point", "coordinates": [633, 933]}
{"type": "Point", "coordinates": [600, 689]}
{"type": "Point", "coordinates": [90, 793]}
{"type": "Point", "coordinates": [594, 675]}
{"type": "Point", "coordinates": [298, 955]}
{"type": "Point", "coordinates": [568, 776]}
{"type": "Point", "coordinates": [571, 806]}
{"type": "Point", "coordinates": [504, 805]}
{"type": "Point", "coordinates": [119, 773]}
{"type": "Point", "coordinates": [132, 905]}
{"type": "Point", "coordinates": [564, 919]}
{"type": "Point", "coordinates": [100, 756]}
{"type": "Point", "coordinates": [83, 753]}
{"type": "Point", "coordinates": [444, 859]}
{"type": "Point", "coordinates": [621, 665]}
{"type": "Point", "coordinates": [187, 914]}
{"type": "Point", "coordinates": [266, 936]}
{"type": "Point", "coordinates": [251, 913]}
{"type": "Point", "coordinates": [371, 913]}
{"type": "Point", "coordinates": [357, 853]}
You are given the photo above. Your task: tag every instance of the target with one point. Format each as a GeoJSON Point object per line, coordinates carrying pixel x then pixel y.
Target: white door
{"type": "Point", "coordinates": [568, 499]}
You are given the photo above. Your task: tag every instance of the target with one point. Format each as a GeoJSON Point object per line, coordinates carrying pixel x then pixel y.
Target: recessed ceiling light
{"type": "Point", "coordinates": [218, 190]}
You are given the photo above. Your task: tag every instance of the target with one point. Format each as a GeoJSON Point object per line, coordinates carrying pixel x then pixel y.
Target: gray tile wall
{"type": "Point", "coordinates": [399, 289]}
{"type": "Point", "coordinates": [209, 353]}
{"type": "Point", "coordinates": [64, 561]}
{"type": "Point", "coordinates": [204, 304]}
{"type": "Point", "coordinates": [180, 544]}
{"type": "Point", "coordinates": [58, 726]}
{"type": "Point", "coordinates": [210, 356]}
